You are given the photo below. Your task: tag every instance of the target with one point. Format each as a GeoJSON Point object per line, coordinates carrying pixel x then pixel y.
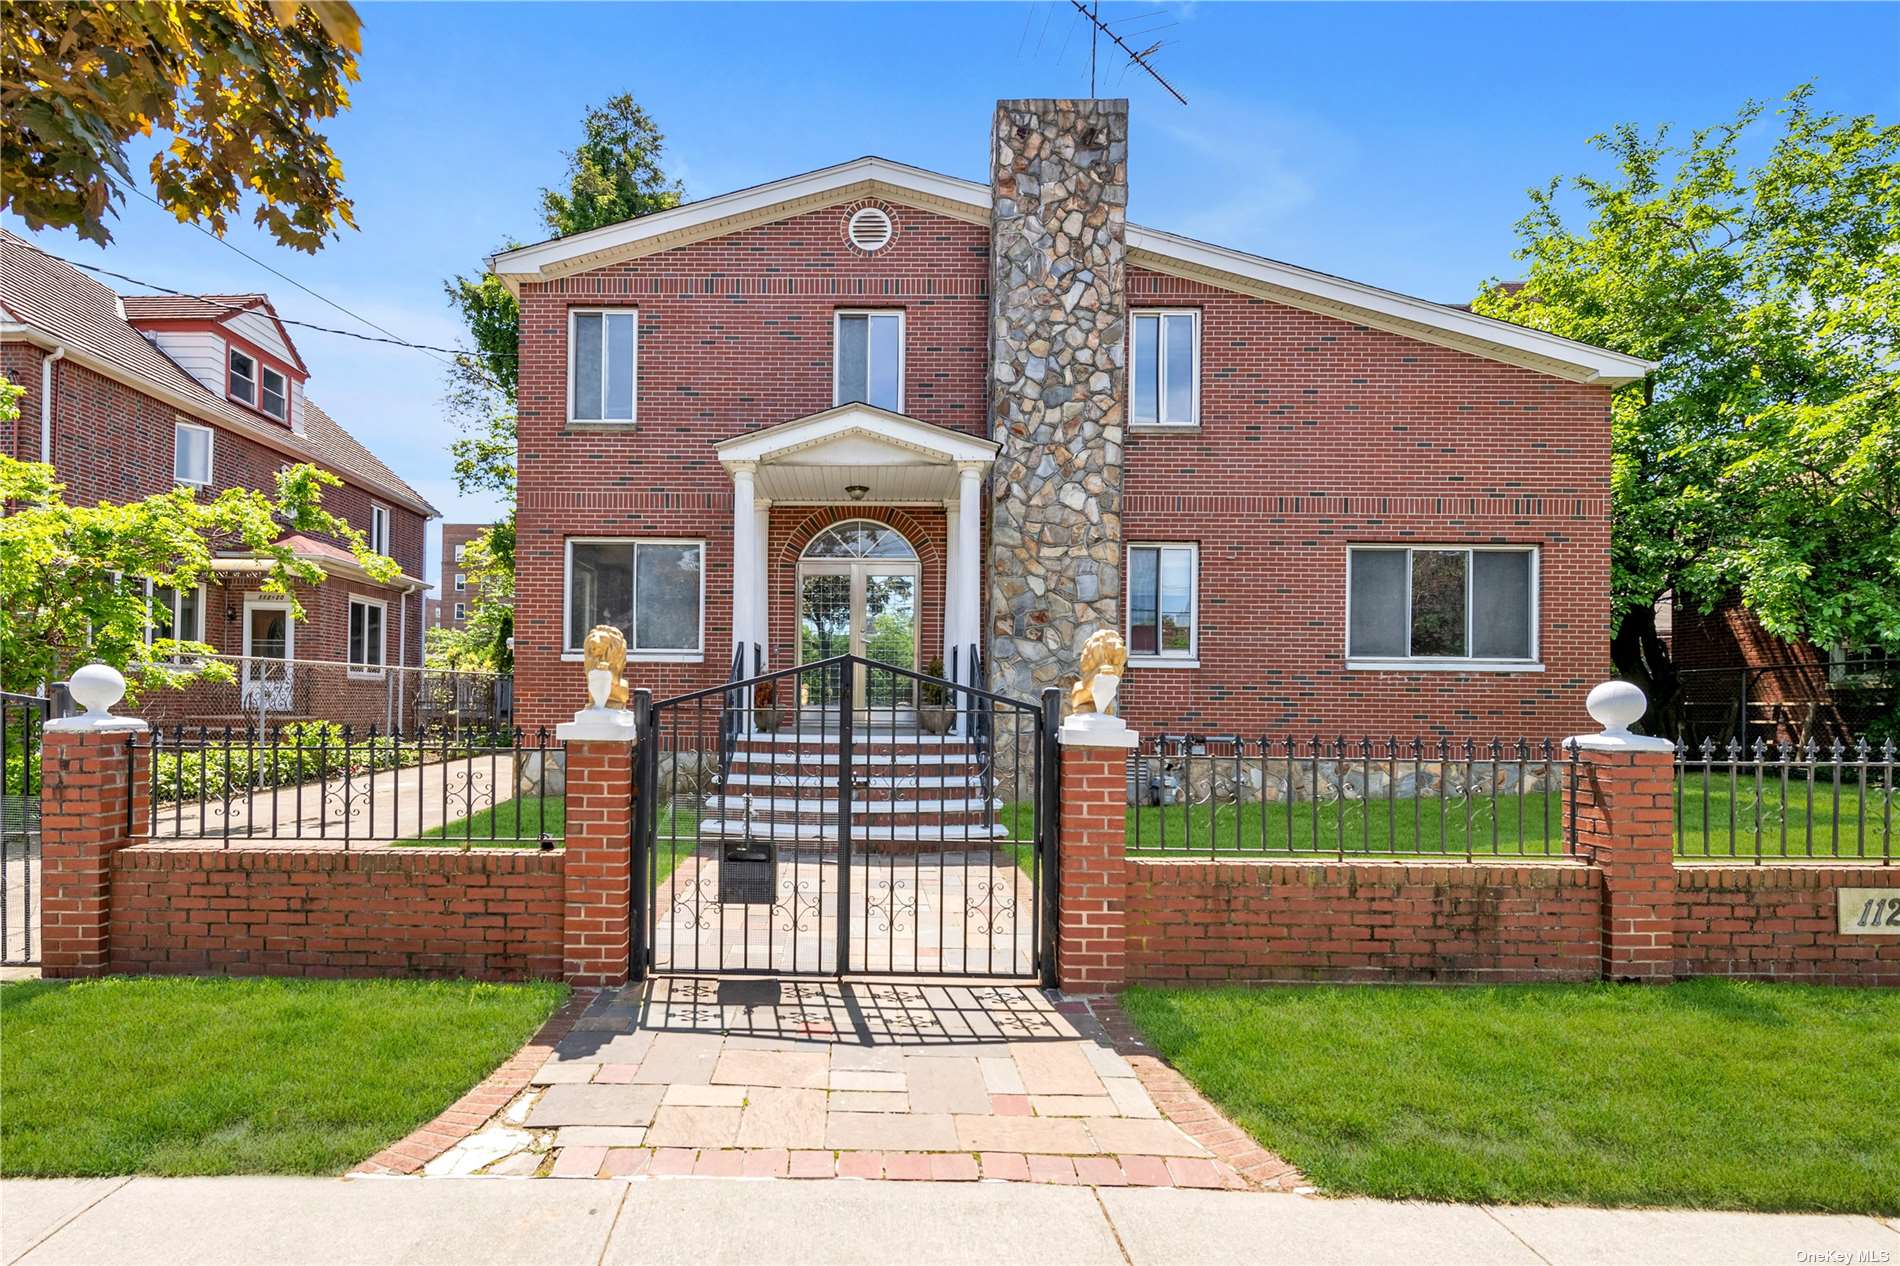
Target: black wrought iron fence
{"type": "Point", "coordinates": [1785, 801]}
{"type": "Point", "coordinates": [1230, 796]}
{"type": "Point", "coordinates": [22, 719]}
{"type": "Point", "coordinates": [317, 783]}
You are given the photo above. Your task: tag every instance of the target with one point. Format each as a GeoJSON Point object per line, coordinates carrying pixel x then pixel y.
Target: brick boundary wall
{"type": "Point", "coordinates": [1361, 921]}
{"type": "Point", "coordinates": [489, 914]}
{"type": "Point", "coordinates": [1779, 923]}
{"type": "Point", "coordinates": [1091, 870]}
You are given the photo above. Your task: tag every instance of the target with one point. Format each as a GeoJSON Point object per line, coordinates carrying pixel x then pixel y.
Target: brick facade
{"type": "Point", "coordinates": [1315, 433]}
{"type": "Point", "coordinates": [489, 914]}
{"type": "Point", "coordinates": [442, 608]}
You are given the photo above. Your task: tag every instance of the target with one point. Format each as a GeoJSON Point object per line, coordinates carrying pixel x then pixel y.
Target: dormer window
{"type": "Point", "coordinates": [275, 397]}
{"type": "Point", "coordinates": [243, 386]}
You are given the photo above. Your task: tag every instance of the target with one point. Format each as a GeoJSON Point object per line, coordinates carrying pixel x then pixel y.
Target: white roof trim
{"type": "Point", "coordinates": [927, 438]}
{"type": "Point", "coordinates": [1165, 252]}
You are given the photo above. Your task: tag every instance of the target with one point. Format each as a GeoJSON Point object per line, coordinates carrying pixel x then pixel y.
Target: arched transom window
{"type": "Point", "coordinates": [860, 538]}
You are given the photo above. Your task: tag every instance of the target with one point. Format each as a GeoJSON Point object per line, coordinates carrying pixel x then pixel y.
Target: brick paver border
{"type": "Point", "coordinates": [474, 1109]}
{"type": "Point", "coordinates": [1182, 1104]}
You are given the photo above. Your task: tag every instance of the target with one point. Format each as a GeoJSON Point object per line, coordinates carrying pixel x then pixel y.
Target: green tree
{"type": "Point", "coordinates": [615, 173]}
{"type": "Point", "coordinates": [73, 578]}
{"type": "Point", "coordinates": [240, 86]}
{"type": "Point", "coordinates": [1762, 457]}
{"type": "Point", "coordinates": [489, 564]}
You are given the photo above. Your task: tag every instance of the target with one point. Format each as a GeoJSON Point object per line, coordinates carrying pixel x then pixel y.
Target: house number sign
{"type": "Point", "coordinates": [1870, 911]}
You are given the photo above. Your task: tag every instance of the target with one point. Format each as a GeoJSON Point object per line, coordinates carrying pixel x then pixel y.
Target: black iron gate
{"type": "Point", "coordinates": [845, 817]}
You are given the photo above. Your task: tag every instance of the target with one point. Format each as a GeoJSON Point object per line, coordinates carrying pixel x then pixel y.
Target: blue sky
{"type": "Point", "coordinates": [1384, 142]}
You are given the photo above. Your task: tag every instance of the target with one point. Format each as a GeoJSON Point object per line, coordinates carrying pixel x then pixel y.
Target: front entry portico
{"type": "Point", "coordinates": [852, 458]}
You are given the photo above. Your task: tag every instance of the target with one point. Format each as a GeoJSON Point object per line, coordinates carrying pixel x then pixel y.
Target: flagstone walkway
{"type": "Point", "coordinates": [765, 1078]}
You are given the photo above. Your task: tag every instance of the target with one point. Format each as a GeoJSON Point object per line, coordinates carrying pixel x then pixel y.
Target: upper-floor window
{"type": "Point", "coordinates": [378, 529]}
{"type": "Point", "coordinates": [191, 454]}
{"type": "Point", "coordinates": [1165, 367]}
{"type": "Point", "coordinates": [459, 551]}
{"type": "Point", "coordinates": [602, 362]}
{"type": "Point", "coordinates": [1441, 606]}
{"type": "Point", "coordinates": [461, 582]}
{"type": "Point", "coordinates": [243, 377]}
{"type": "Point", "coordinates": [461, 612]}
{"type": "Point", "coordinates": [274, 393]}
{"type": "Point", "coordinates": [870, 359]}
{"type": "Point", "coordinates": [1162, 597]}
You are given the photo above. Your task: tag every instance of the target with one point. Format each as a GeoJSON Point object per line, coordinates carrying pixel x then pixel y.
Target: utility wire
{"type": "Point", "coordinates": [228, 245]}
{"type": "Point", "coordinates": [233, 307]}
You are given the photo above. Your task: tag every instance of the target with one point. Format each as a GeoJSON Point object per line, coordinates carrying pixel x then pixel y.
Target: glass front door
{"type": "Point", "coordinates": [867, 609]}
{"type": "Point", "coordinates": [267, 655]}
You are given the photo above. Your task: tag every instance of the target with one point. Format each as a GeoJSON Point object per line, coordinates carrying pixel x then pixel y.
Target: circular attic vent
{"type": "Point", "coordinates": [869, 229]}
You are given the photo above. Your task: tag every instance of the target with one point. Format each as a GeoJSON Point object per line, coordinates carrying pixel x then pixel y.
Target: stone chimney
{"type": "Point", "coordinates": [1058, 380]}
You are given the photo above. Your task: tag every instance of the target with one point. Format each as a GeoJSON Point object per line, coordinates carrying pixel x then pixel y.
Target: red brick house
{"type": "Point", "coordinates": [876, 408]}
{"type": "Point", "coordinates": [132, 395]}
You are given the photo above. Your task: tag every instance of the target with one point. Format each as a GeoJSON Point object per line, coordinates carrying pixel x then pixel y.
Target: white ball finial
{"type": "Point", "coordinates": [97, 687]}
{"type": "Point", "coordinates": [1617, 705]}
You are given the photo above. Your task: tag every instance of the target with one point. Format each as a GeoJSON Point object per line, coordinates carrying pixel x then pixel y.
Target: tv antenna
{"type": "Point", "coordinates": [1098, 28]}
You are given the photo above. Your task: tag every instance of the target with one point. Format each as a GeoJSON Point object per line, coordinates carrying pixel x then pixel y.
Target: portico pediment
{"type": "Point", "coordinates": [886, 455]}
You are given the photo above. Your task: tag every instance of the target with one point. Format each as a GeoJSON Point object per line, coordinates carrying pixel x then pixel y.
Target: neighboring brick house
{"type": "Point", "coordinates": [140, 393]}
{"type": "Point", "coordinates": [456, 592]}
{"type": "Point", "coordinates": [1740, 682]}
{"type": "Point", "coordinates": [1000, 416]}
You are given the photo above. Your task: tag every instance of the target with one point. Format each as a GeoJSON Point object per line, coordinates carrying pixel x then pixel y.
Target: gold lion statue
{"type": "Point", "coordinates": [606, 647]}
{"type": "Point", "coordinates": [1104, 658]}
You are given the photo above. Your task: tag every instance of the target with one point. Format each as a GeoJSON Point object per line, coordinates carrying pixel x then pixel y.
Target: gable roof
{"type": "Point", "coordinates": [967, 200]}
{"type": "Point", "coordinates": [49, 302]}
{"type": "Point", "coordinates": [217, 309]}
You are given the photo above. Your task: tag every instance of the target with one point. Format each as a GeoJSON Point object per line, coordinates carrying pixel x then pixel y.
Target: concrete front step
{"type": "Point", "coordinates": [859, 808]}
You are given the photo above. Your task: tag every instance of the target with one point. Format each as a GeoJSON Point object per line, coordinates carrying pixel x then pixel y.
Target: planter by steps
{"type": "Point", "coordinates": [748, 874]}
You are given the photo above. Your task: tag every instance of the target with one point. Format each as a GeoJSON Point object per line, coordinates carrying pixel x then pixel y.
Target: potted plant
{"type": "Point", "coordinates": [935, 715]}
{"type": "Point", "coordinates": [764, 715]}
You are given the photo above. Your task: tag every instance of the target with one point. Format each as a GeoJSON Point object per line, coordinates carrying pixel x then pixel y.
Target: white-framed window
{"type": "Point", "coordinates": [378, 528]}
{"type": "Point", "coordinates": [461, 550]}
{"type": "Point", "coordinates": [1857, 665]}
{"type": "Point", "coordinates": [178, 614]}
{"type": "Point", "coordinates": [274, 393]}
{"type": "Point", "coordinates": [1163, 604]}
{"type": "Point", "coordinates": [461, 613]}
{"type": "Point", "coordinates": [368, 617]}
{"type": "Point", "coordinates": [242, 383]}
{"type": "Point", "coordinates": [1164, 366]}
{"type": "Point", "coordinates": [191, 454]}
{"type": "Point", "coordinates": [461, 582]}
{"type": "Point", "coordinates": [868, 358]}
{"type": "Point", "coordinates": [653, 591]}
{"type": "Point", "coordinates": [1441, 606]}
{"type": "Point", "coordinates": [603, 361]}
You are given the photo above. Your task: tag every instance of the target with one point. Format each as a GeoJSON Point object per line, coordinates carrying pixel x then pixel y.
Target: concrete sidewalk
{"type": "Point", "coordinates": [514, 1222]}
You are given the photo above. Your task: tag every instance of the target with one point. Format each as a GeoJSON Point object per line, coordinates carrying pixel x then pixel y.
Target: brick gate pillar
{"type": "Point", "coordinates": [1091, 862]}
{"type": "Point", "coordinates": [597, 914]}
{"type": "Point", "coordinates": [93, 802]}
{"type": "Point", "coordinates": [1623, 802]}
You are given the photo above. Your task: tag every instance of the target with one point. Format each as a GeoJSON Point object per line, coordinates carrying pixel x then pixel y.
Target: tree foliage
{"type": "Point", "coordinates": [73, 578]}
{"type": "Point", "coordinates": [240, 86]}
{"type": "Point", "coordinates": [615, 173]}
{"type": "Point", "coordinates": [1762, 458]}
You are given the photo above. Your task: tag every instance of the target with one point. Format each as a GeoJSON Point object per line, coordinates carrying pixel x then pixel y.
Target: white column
{"type": "Point", "coordinates": [761, 593]}
{"type": "Point", "coordinates": [952, 580]}
{"type": "Point", "coordinates": [745, 555]}
{"type": "Point", "coordinates": [969, 553]}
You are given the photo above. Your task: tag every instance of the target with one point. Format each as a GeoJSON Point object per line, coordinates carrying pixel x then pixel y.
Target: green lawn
{"type": "Point", "coordinates": [183, 1075]}
{"type": "Point", "coordinates": [517, 823]}
{"type": "Point", "coordinates": [1708, 1094]}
